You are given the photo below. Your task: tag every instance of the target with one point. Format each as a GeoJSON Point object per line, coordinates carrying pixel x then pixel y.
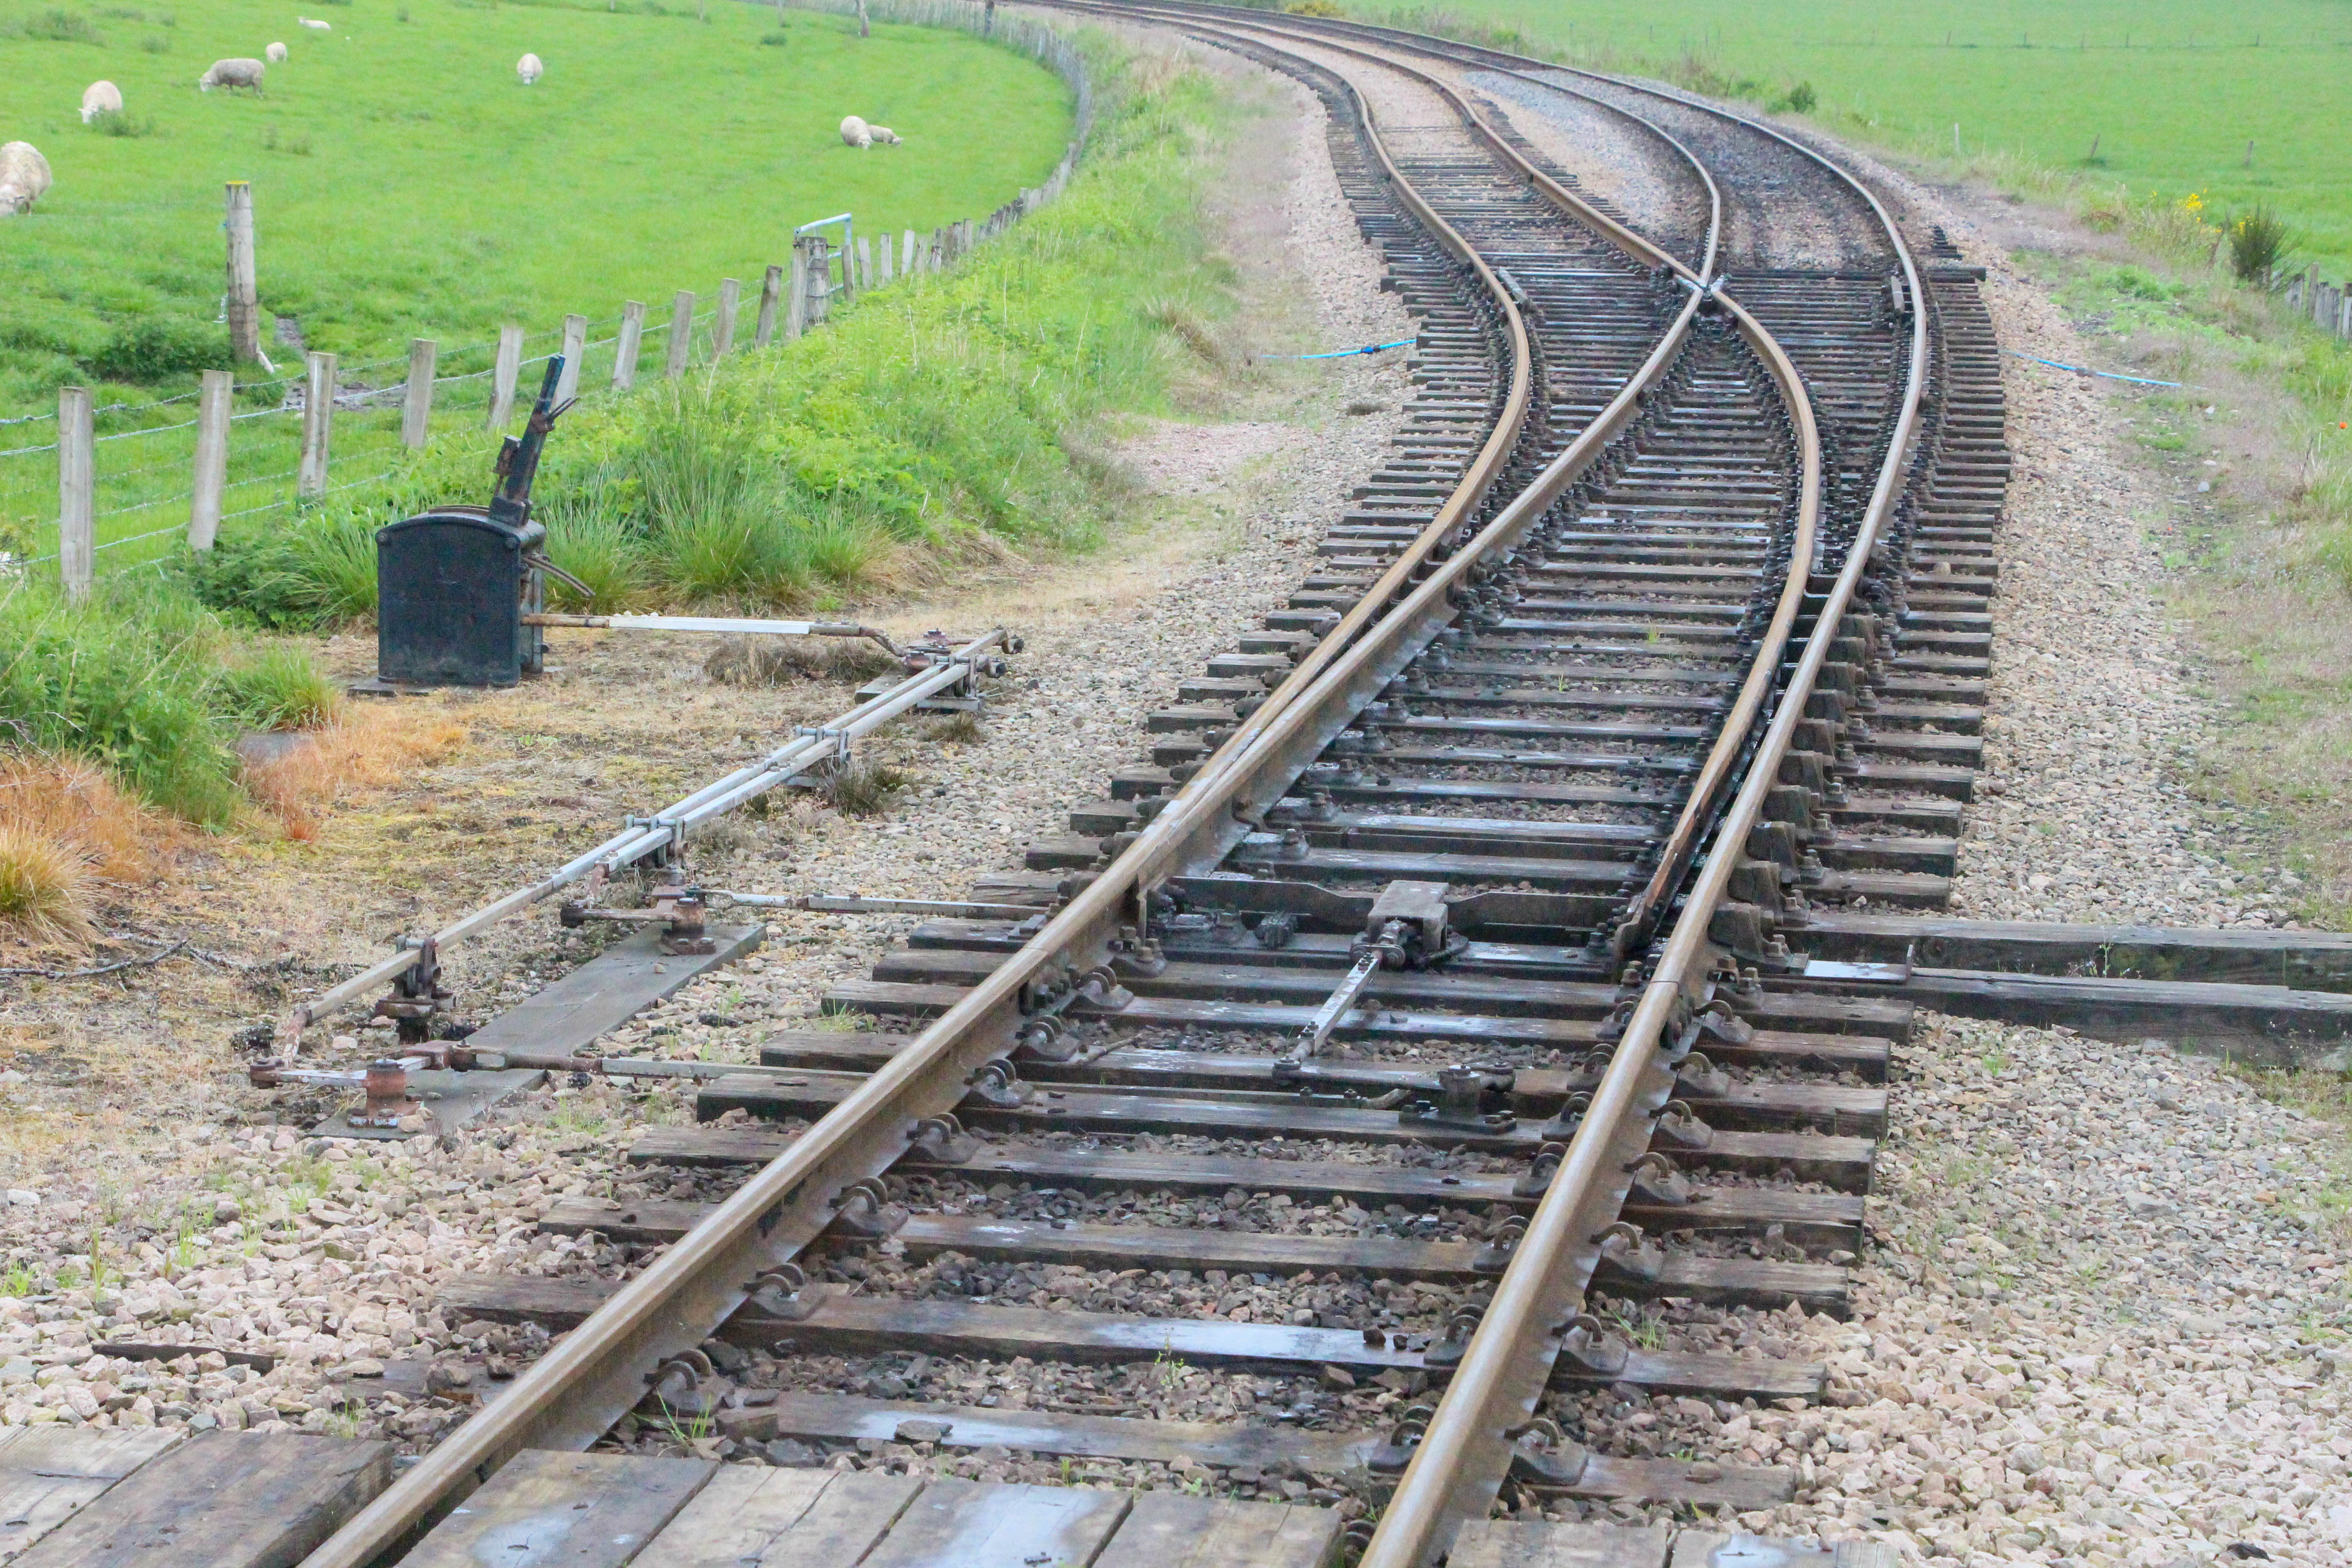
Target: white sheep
{"type": "Point", "coordinates": [100, 98]}
{"type": "Point", "coordinates": [275, 54]}
{"type": "Point", "coordinates": [232, 74]}
{"type": "Point", "coordinates": [855, 135]}
{"type": "Point", "coordinates": [883, 134]}
{"type": "Point", "coordinates": [23, 176]}
{"type": "Point", "coordinates": [314, 22]}
{"type": "Point", "coordinates": [530, 70]}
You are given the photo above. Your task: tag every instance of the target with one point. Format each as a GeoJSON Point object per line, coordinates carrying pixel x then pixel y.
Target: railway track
{"type": "Point", "coordinates": [1410, 1074]}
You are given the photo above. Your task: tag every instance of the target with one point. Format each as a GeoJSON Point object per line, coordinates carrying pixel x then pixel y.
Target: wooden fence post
{"type": "Point", "coordinates": [796, 303]}
{"type": "Point", "coordinates": [317, 425]}
{"type": "Point", "coordinates": [624, 352]}
{"type": "Point", "coordinates": [681, 335]}
{"type": "Point", "coordinates": [416, 403]}
{"type": "Point", "coordinates": [771, 291]}
{"type": "Point", "coordinates": [722, 325]}
{"type": "Point", "coordinates": [820, 279]}
{"type": "Point", "coordinates": [849, 281]}
{"type": "Point", "coordinates": [575, 349]}
{"type": "Point", "coordinates": [505, 371]}
{"type": "Point", "coordinates": [882, 254]}
{"type": "Point", "coordinates": [77, 490]}
{"type": "Point", "coordinates": [244, 292]}
{"type": "Point", "coordinates": [211, 476]}
{"type": "Point", "coordinates": [865, 264]}
{"type": "Point", "coordinates": [907, 253]}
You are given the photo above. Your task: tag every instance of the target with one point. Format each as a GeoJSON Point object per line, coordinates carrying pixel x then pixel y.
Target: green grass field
{"type": "Point", "coordinates": [2172, 92]}
{"type": "Point", "coordinates": [405, 184]}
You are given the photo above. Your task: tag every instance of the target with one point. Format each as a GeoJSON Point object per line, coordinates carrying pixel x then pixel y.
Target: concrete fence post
{"type": "Point", "coordinates": [211, 477]}
{"type": "Point", "coordinates": [417, 402]}
{"type": "Point", "coordinates": [77, 490]}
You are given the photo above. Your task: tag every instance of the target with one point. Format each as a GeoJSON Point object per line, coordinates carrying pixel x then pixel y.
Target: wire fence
{"type": "Point", "coordinates": [125, 484]}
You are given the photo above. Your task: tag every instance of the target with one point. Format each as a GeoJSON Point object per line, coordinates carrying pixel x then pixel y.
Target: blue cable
{"type": "Point", "coordinates": [1346, 353]}
{"type": "Point", "coordinates": [2107, 374]}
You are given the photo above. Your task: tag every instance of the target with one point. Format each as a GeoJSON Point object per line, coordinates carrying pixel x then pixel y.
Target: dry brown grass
{"type": "Point", "coordinates": [774, 660]}
{"type": "Point", "coordinates": [366, 748]}
{"type": "Point", "coordinates": [64, 827]}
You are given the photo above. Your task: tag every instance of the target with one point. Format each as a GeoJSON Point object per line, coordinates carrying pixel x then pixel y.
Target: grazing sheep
{"type": "Point", "coordinates": [529, 68]}
{"type": "Point", "coordinates": [100, 98]}
{"type": "Point", "coordinates": [23, 176]}
{"type": "Point", "coordinates": [855, 135]}
{"type": "Point", "coordinates": [232, 74]}
{"type": "Point", "coordinates": [883, 134]}
{"type": "Point", "coordinates": [314, 22]}
{"type": "Point", "coordinates": [275, 54]}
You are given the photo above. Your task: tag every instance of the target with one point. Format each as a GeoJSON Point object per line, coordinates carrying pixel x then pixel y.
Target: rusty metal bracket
{"type": "Point", "coordinates": [866, 1213]}
{"type": "Point", "coordinates": [1551, 1461]}
{"type": "Point", "coordinates": [941, 1140]}
{"type": "Point", "coordinates": [1473, 1098]}
{"type": "Point", "coordinates": [1623, 1249]}
{"type": "Point", "coordinates": [1658, 1179]}
{"type": "Point", "coordinates": [996, 1086]}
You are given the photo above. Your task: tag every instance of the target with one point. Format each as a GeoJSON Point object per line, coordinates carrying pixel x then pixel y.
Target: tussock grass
{"type": "Point", "coordinates": [863, 789]}
{"type": "Point", "coordinates": [774, 661]}
{"type": "Point", "coordinates": [960, 728]}
{"type": "Point", "coordinates": [278, 689]}
{"type": "Point", "coordinates": [41, 888]}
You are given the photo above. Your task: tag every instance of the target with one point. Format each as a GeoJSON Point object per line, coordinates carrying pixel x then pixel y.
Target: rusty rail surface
{"type": "Point", "coordinates": [597, 1371]}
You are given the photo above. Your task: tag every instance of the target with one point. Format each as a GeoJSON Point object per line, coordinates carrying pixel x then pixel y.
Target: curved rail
{"type": "Point", "coordinates": [596, 1371]}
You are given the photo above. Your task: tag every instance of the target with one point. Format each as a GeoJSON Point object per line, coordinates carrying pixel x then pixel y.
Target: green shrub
{"type": "Point", "coordinates": [775, 40]}
{"type": "Point", "coordinates": [154, 347]}
{"type": "Point", "coordinates": [2258, 242]}
{"type": "Point", "coordinates": [155, 44]}
{"type": "Point", "coordinates": [276, 688]}
{"type": "Point", "coordinates": [126, 678]}
{"type": "Point", "coordinates": [60, 27]}
{"type": "Point", "coordinates": [1801, 98]}
{"type": "Point", "coordinates": [319, 573]}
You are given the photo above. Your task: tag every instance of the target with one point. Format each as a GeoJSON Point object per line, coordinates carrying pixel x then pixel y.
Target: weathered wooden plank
{"type": "Point", "coordinates": [1841, 1162]}
{"type": "Point", "coordinates": [1493, 995]}
{"type": "Point", "coordinates": [1821, 1286]}
{"type": "Point", "coordinates": [841, 1418]}
{"type": "Point", "coordinates": [565, 1019]}
{"type": "Point", "coordinates": [846, 1050]}
{"type": "Point", "coordinates": [48, 1474]}
{"type": "Point", "coordinates": [1705, 1549]}
{"type": "Point", "coordinates": [1377, 1023]}
{"type": "Point", "coordinates": [1211, 1113]}
{"type": "Point", "coordinates": [748, 1517]}
{"type": "Point", "coordinates": [1540, 1543]}
{"type": "Point", "coordinates": [2301, 960]}
{"type": "Point", "coordinates": [2272, 1019]}
{"type": "Point", "coordinates": [983, 1524]}
{"type": "Point", "coordinates": [225, 1499]}
{"type": "Point", "coordinates": [580, 1510]}
{"type": "Point", "coordinates": [608, 991]}
{"type": "Point", "coordinates": [1168, 1530]}
{"type": "Point", "coordinates": [1822, 1219]}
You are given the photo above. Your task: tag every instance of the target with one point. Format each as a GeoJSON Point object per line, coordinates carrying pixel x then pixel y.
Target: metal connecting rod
{"type": "Point", "coordinates": [644, 836]}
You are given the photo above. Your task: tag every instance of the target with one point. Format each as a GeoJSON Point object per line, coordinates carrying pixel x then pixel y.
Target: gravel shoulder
{"type": "Point", "coordinates": [2103, 1317]}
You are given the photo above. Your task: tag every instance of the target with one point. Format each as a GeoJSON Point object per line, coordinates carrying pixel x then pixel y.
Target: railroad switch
{"type": "Point", "coordinates": [677, 910]}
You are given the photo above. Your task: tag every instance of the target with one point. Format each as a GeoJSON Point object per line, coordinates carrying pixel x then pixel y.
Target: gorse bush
{"type": "Point", "coordinates": [2258, 242]}
{"type": "Point", "coordinates": [156, 348]}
